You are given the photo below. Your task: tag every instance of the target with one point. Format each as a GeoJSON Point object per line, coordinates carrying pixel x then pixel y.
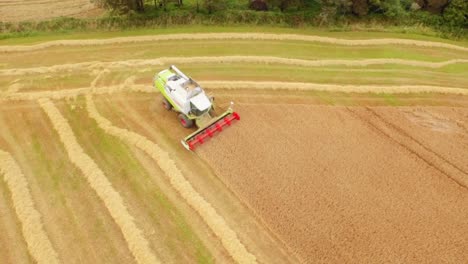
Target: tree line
{"type": "Point", "coordinates": [451, 12]}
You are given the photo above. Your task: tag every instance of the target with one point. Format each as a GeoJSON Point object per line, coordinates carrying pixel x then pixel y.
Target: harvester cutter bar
{"type": "Point", "coordinates": [199, 136]}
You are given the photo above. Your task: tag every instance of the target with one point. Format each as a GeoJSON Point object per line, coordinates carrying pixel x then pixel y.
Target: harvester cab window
{"type": "Point", "coordinates": [173, 78]}
{"type": "Point", "coordinates": [193, 92]}
{"type": "Point", "coordinates": [169, 88]}
{"type": "Point", "coordinates": [195, 111]}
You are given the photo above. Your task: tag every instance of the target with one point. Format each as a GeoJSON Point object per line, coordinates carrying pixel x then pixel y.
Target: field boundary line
{"type": "Point", "coordinates": [39, 245]}
{"type": "Point", "coordinates": [229, 36]}
{"type": "Point", "coordinates": [215, 222]}
{"type": "Point", "coordinates": [114, 203]}
{"type": "Point", "coordinates": [91, 65]}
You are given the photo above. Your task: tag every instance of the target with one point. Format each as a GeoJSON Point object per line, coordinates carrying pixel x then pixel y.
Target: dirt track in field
{"type": "Point", "coordinates": [36, 238]}
{"type": "Point", "coordinates": [341, 185]}
{"type": "Point", "coordinates": [228, 36]}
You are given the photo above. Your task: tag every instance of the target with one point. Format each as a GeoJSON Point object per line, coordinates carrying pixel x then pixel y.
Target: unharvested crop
{"type": "Point", "coordinates": [340, 185]}
{"type": "Point", "coordinates": [216, 222]}
{"type": "Point", "coordinates": [39, 245]}
{"type": "Point", "coordinates": [228, 36]}
{"type": "Point", "coordinates": [137, 244]}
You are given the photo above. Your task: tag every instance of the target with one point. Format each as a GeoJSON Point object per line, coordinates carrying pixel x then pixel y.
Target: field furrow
{"type": "Point", "coordinates": [431, 158]}
{"type": "Point", "coordinates": [443, 130]}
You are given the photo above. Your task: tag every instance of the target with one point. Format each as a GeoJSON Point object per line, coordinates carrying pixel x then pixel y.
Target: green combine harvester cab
{"type": "Point", "coordinates": [195, 107]}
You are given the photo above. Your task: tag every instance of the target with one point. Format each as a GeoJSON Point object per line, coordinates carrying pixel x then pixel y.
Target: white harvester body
{"type": "Point", "coordinates": [182, 94]}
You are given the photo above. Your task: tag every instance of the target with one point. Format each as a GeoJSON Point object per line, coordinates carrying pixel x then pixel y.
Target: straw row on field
{"type": "Point", "coordinates": [73, 93]}
{"type": "Point", "coordinates": [137, 244]}
{"type": "Point", "coordinates": [301, 86]}
{"type": "Point", "coordinates": [229, 36]}
{"type": "Point", "coordinates": [91, 65]}
{"type": "Point", "coordinates": [39, 245]}
{"type": "Point", "coordinates": [215, 221]}
{"type": "Point", "coordinates": [241, 85]}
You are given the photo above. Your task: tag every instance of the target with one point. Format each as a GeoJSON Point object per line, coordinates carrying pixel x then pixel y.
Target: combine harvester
{"type": "Point", "coordinates": [185, 96]}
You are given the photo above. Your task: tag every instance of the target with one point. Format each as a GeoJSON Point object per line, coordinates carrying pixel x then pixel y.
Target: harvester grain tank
{"type": "Point", "coordinates": [185, 96]}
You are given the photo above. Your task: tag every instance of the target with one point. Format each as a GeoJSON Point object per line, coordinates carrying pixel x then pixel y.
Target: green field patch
{"type": "Point", "coordinates": [450, 75]}
{"type": "Point", "coordinates": [191, 48]}
{"type": "Point", "coordinates": [55, 81]}
{"type": "Point", "coordinates": [359, 76]}
{"type": "Point", "coordinates": [347, 33]}
{"type": "Point", "coordinates": [390, 99]}
{"type": "Point", "coordinates": [460, 69]}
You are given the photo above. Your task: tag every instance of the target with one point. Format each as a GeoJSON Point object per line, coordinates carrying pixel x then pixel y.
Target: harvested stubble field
{"type": "Point", "coordinates": [35, 10]}
{"type": "Point", "coordinates": [348, 151]}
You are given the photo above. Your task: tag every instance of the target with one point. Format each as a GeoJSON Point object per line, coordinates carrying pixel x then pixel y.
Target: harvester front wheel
{"type": "Point", "coordinates": [185, 121]}
{"type": "Point", "coordinates": [166, 104]}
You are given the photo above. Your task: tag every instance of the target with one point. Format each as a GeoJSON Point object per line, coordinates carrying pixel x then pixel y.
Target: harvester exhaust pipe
{"type": "Point", "coordinates": [174, 68]}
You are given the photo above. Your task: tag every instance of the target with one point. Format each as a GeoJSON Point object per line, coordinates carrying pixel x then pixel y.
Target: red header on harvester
{"type": "Point", "coordinates": [200, 136]}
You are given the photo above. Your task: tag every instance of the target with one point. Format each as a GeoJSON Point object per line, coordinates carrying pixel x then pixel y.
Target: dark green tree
{"type": "Point", "coordinates": [214, 5]}
{"type": "Point", "coordinates": [389, 8]}
{"type": "Point", "coordinates": [283, 5]}
{"type": "Point", "coordinates": [456, 14]}
{"type": "Point", "coordinates": [360, 7]}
